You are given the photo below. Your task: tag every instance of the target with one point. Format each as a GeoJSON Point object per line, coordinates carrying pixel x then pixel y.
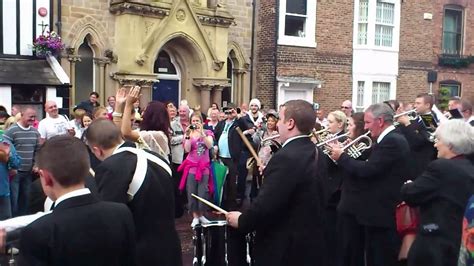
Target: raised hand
{"type": "Point", "coordinates": [133, 95]}
{"type": "Point", "coordinates": [120, 97]}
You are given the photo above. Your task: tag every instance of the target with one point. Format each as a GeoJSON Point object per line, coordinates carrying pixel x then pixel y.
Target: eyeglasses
{"type": "Point", "coordinates": [345, 107]}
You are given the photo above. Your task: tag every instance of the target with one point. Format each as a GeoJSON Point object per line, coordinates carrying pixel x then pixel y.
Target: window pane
{"type": "Point", "coordinates": [454, 90]}
{"type": "Point", "coordinates": [362, 34]}
{"type": "Point", "coordinates": [296, 7]}
{"type": "Point", "coordinates": [380, 92]}
{"type": "Point", "coordinates": [452, 32]}
{"type": "Point", "coordinates": [385, 13]}
{"type": "Point", "coordinates": [360, 93]}
{"type": "Point", "coordinates": [383, 35]}
{"type": "Point", "coordinates": [363, 10]}
{"type": "Point", "coordinates": [295, 26]}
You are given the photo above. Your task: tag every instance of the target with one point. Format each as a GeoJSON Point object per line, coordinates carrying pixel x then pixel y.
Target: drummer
{"type": "Point", "coordinates": [287, 213]}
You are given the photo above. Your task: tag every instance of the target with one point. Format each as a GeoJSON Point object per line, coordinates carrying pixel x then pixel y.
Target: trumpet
{"type": "Point", "coordinates": [412, 117]}
{"type": "Point", "coordinates": [356, 146]}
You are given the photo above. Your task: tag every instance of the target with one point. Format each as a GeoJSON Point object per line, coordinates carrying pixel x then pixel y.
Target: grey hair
{"type": "Point", "coordinates": [381, 110]}
{"type": "Point", "coordinates": [458, 135]}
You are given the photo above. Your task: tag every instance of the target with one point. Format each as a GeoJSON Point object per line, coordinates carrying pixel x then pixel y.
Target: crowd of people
{"type": "Point", "coordinates": [321, 190]}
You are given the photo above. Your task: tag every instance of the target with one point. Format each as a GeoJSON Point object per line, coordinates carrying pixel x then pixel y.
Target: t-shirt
{"type": "Point", "coordinates": [50, 127]}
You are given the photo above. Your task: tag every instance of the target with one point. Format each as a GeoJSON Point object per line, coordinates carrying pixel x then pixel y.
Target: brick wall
{"type": "Point", "coordinates": [421, 44]}
{"type": "Point", "coordinates": [330, 62]}
{"type": "Point", "coordinates": [265, 52]}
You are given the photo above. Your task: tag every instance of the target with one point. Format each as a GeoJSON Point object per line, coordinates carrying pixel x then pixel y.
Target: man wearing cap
{"type": "Point", "coordinates": [229, 144]}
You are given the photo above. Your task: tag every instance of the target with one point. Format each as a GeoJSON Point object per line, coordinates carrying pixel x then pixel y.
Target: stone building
{"type": "Point", "coordinates": [184, 49]}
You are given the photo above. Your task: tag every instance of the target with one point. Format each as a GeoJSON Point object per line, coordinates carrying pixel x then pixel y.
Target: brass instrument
{"type": "Point", "coordinates": [320, 135]}
{"type": "Point", "coordinates": [412, 117]}
{"type": "Point", "coordinates": [271, 138]}
{"type": "Point", "coordinates": [356, 146]}
{"type": "Point", "coordinates": [331, 139]}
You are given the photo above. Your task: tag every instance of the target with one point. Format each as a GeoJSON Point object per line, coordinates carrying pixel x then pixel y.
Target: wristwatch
{"type": "Point", "coordinates": [115, 114]}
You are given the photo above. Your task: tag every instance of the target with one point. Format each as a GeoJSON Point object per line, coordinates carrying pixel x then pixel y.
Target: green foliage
{"type": "Point", "coordinates": [443, 98]}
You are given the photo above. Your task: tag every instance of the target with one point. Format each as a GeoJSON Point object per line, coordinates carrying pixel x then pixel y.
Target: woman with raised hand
{"type": "Point", "coordinates": [154, 128]}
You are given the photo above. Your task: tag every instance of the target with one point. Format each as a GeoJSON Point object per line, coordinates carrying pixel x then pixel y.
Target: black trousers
{"type": "Point", "coordinates": [230, 186]}
{"type": "Point", "coordinates": [351, 241]}
{"type": "Point", "coordinates": [382, 246]}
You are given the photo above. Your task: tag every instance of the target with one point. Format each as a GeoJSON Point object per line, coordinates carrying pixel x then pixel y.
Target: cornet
{"type": "Point", "coordinates": [356, 146]}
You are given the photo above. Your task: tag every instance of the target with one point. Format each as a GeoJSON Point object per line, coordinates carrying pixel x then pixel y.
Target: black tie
{"type": "Point", "coordinates": [52, 206]}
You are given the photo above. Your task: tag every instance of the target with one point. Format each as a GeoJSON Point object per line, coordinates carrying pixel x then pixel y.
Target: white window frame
{"type": "Point", "coordinates": [309, 40]}
{"type": "Point", "coordinates": [368, 81]}
{"type": "Point", "coordinates": [371, 26]}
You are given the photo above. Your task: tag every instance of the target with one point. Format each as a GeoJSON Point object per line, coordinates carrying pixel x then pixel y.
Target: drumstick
{"type": "Point", "coordinates": [210, 204]}
{"type": "Point", "coordinates": [249, 146]}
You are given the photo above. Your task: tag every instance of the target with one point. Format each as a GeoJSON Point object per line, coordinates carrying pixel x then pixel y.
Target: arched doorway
{"type": "Point", "coordinates": [168, 87]}
{"type": "Point", "coordinates": [84, 81]}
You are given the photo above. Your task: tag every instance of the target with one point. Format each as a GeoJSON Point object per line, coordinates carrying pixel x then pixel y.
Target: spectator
{"type": "Point", "coordinates": [110, 104]}
{"type": "Point", "coordinates": [466, 109]}
{"type": "Point", "coordinates": [184, 114]}
{"type": "Point", "coordinates": [54, 124]}
{"type": "Point", "coordinates": [100, 112]}
{"type": "Point", "coordinates": [76, 124]}
{"type": "Point", "coordinates": [214, 106]}
{"type": "Point", "coordinates": [346, 107]}
{"type": "Point", "coordinates": [90, 104]}
{"type": "Point", "coordinates": [9, 162]}
{"type": "Point", "coordinates": [321, 118]}
{"type": "Point", "coordinates": [196, 167]}
{"type": "Point", "coordinates": [25, 139]}
{"type": "Point", "coordinates": [213, 120]}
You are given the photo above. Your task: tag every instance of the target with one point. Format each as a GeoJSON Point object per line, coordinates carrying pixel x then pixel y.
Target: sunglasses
{"type": "Point", "coordinates": [345, 107]}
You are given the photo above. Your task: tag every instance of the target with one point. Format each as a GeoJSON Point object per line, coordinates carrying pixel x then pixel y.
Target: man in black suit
{"type": "Point", "coordinates": [418, 136]}
{"type": "Point", "coordinates": [380, 179]}
{"type": "Point", "coordinates": [81, 230]}
{"type": "Point", "coordinates": [146, 188]}
{"type": "Point", "coordinates": [287, 213]}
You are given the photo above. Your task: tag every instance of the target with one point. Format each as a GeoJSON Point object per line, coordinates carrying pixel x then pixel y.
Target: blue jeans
{"type": "Point", "coordinates": [19, 193]}
{"type": "Point", "coordinates": [5, 208]}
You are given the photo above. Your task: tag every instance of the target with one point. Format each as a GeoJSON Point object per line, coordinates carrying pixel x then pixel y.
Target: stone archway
{"type": "Point", "coordinates": [190, 62]}
{"type": "Point", "coordinates": [237, 69]}
{"type": "Point", "coordinates": [88, 33]}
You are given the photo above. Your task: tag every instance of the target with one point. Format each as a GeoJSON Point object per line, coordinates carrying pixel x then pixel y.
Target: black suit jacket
{"type": "Point", "coordinates": [287, 213]}
{"type": "Point", "coordinates": [376, 182]}
{"type": "Point", "coordinates": [152, 207]}
{"type": "Point", "coordinates": [235, 142]}
{"type": "Point", "coordinates": [80, 231]}
{"type": "Point", "coordinates": [422, 151]}
{"type": "Point", "coordinates": [442, 192]}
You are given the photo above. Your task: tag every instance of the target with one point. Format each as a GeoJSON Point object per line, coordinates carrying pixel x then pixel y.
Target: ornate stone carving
{"type": "Point", "coordinates": [111, 56]}
{"type": "Point", "coordinates": [217, 65]}
{"type": "Point", "coordinates": [180, 15]}
{"type": "Point", "coordinates": [141, 59]}
{"type": "Point", "coordinates": [101, 61]}
{"type": "Point", "coordinates": [138, 9]}
{"type": "Point", "coordinates": [134, 79]}
{"type": "Point", "coordinates": [148, 26]}
{"type": "Point", "coordinates": [216, 21]}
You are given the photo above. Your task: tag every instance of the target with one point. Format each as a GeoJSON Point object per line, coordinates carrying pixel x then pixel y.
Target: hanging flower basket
{"type": "Point", "coordinates": [47, 43]}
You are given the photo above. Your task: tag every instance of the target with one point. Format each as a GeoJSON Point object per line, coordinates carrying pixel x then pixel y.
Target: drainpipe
{"type": "Point", "coordinates": [59, 23]}
{"type": "Point", "coordinates": [252, 49]}
{"type": "Point", "coordinates": [275, 55]}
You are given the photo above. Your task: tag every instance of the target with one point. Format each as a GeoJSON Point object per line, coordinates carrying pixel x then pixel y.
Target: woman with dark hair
{"type": "Point", "coordinates": [154, 128]}
{"type": "Point", "coordinates": [350, 228]}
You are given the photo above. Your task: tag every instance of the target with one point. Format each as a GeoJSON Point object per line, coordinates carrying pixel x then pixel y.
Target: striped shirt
{"type": "Point", "coordinates": [26, 141]}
